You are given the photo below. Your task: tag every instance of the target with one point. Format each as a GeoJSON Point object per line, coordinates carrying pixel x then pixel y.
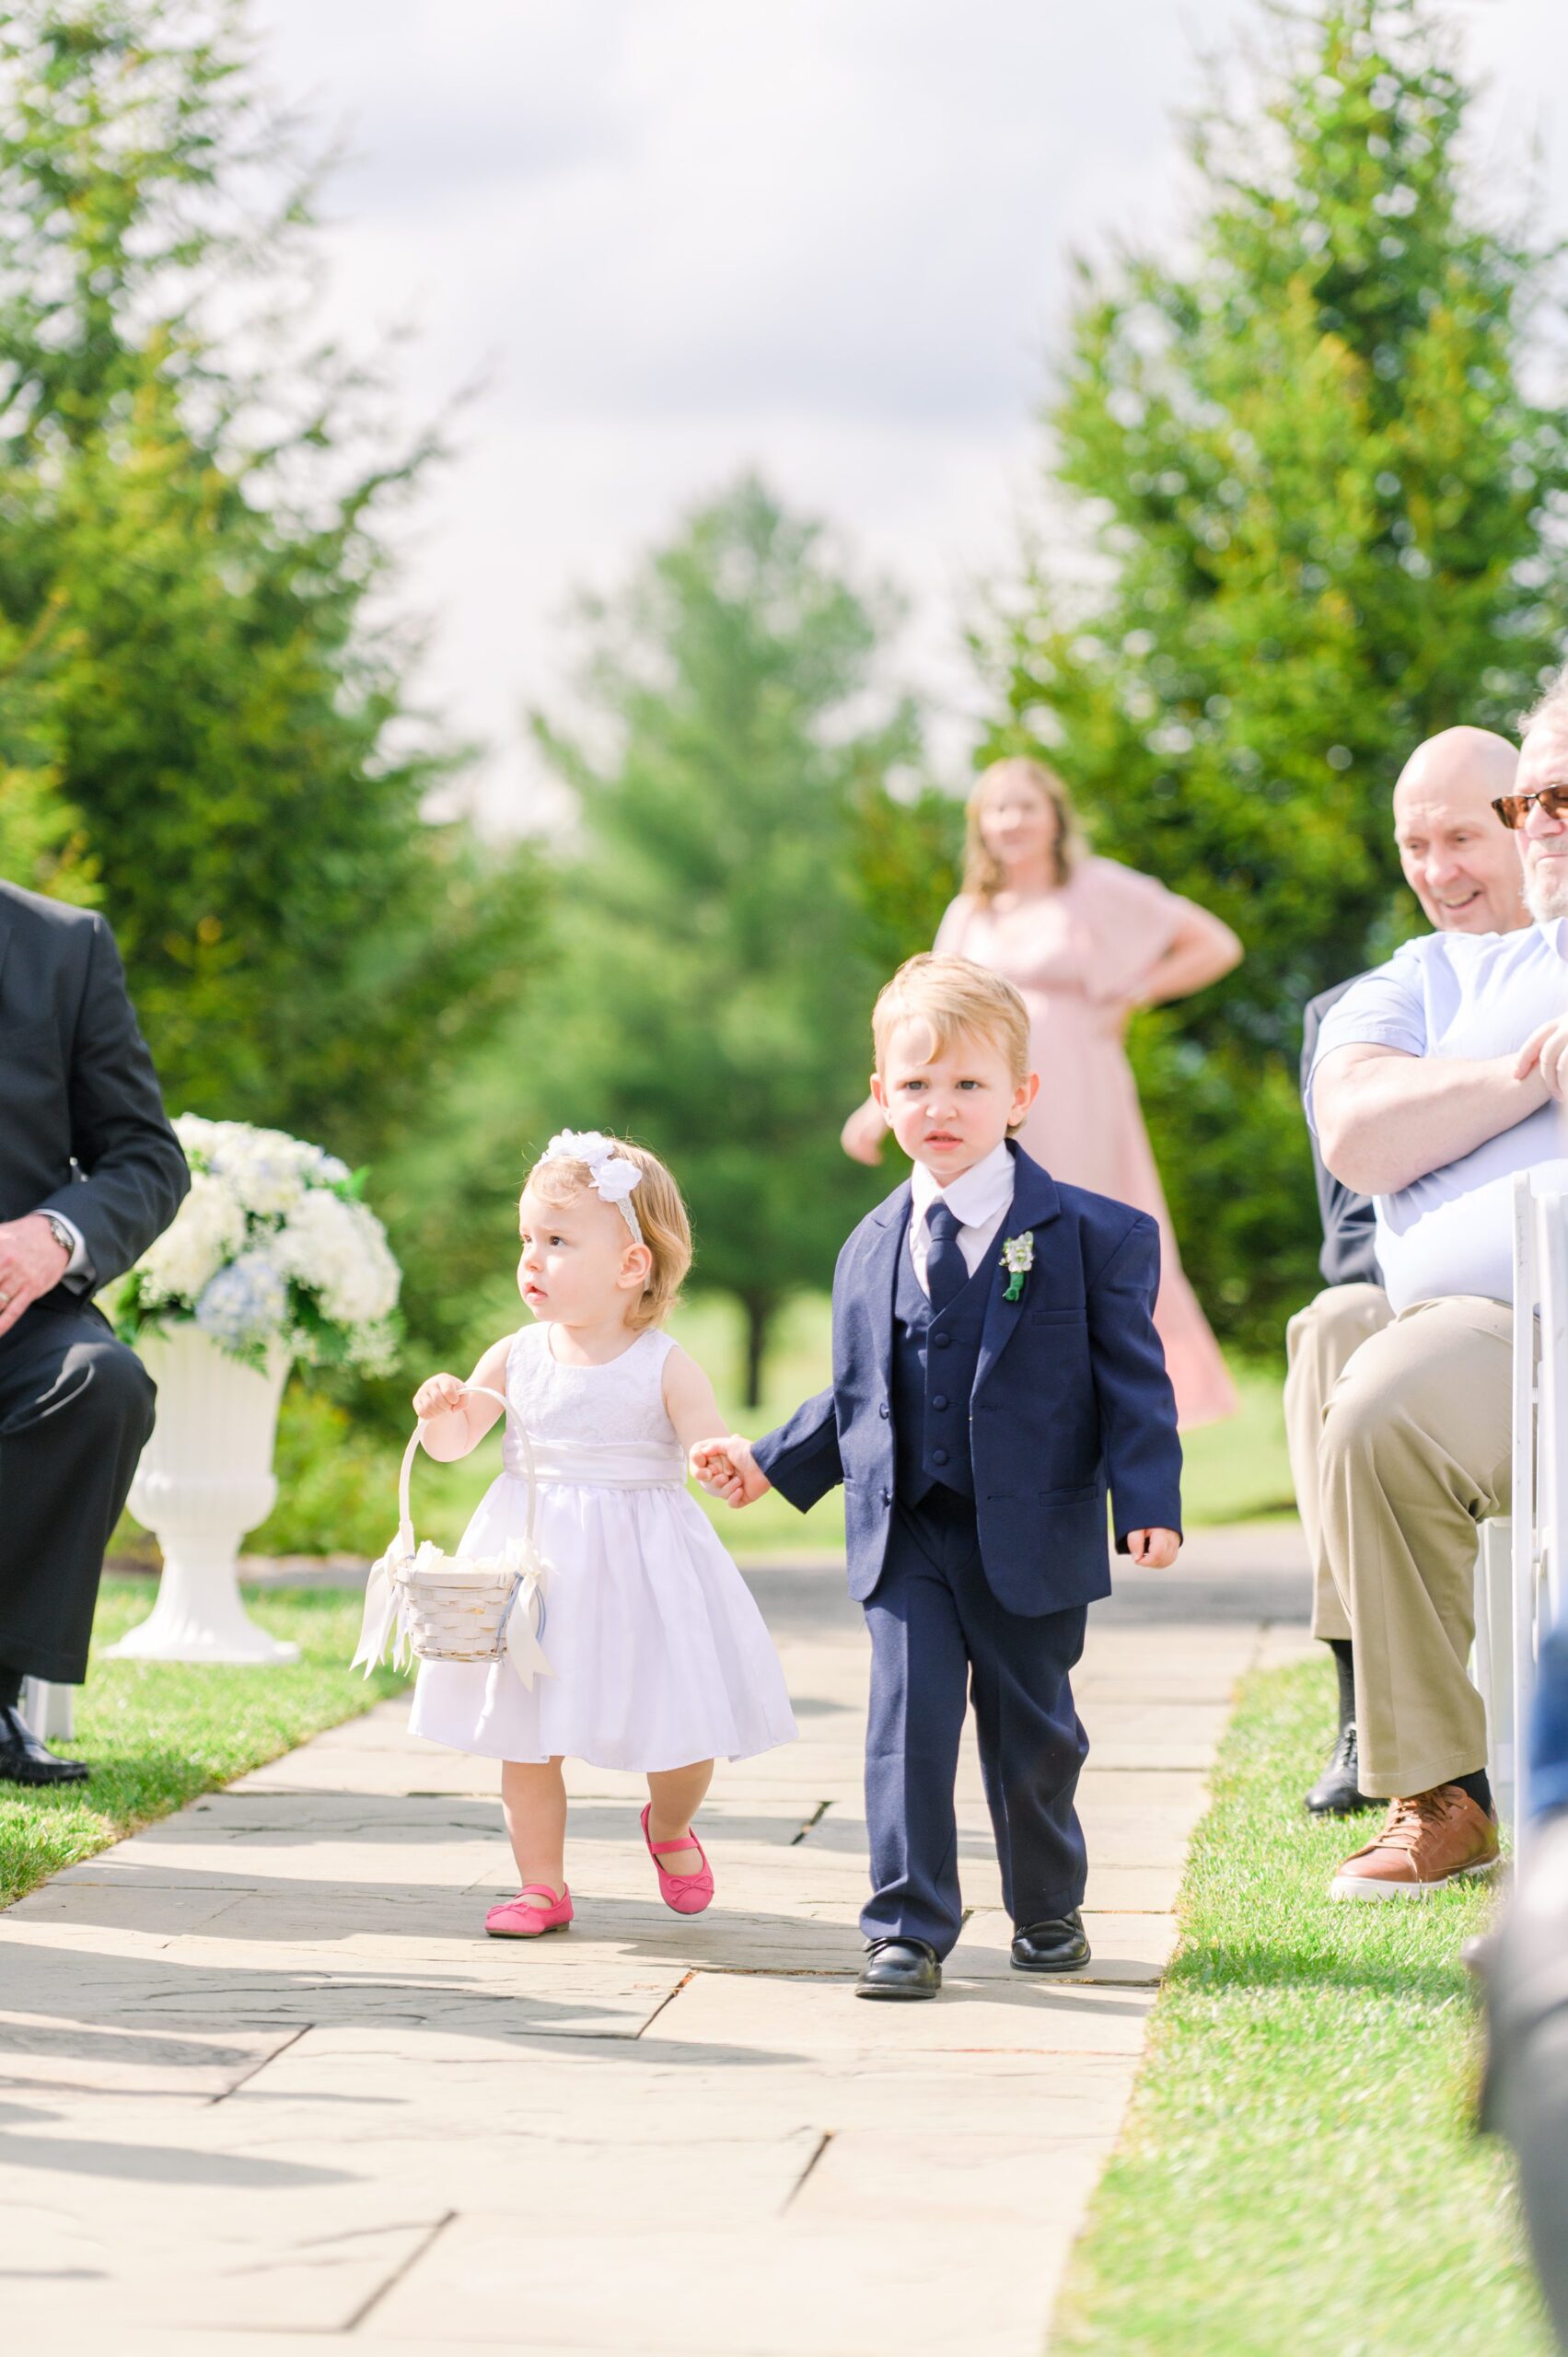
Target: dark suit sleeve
{"type": "Point", "coordinates": [136, 1176]}
{"type": "Point", "coordinates": [1137, 1407]}
{"type": "Point", "coordinates": [801, 1457]}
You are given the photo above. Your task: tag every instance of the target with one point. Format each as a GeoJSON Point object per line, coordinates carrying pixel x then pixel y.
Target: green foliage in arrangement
{"type": "Point", "coordinates": [1318, 496]}
{"type": "Point", "coordinates": [199, 724]}
{"type": "Point", "coordinates": [715, 966]}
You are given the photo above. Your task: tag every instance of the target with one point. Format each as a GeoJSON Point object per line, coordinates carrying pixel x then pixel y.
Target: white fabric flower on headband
{"type": "Point", "coordinates": [611, 1175]}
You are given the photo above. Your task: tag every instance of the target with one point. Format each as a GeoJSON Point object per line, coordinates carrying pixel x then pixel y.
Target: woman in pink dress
{"type": "Point", "coordinates": [1086, 941]}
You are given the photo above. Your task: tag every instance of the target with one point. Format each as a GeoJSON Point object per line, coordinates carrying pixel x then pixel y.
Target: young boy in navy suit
{"type": "Point", "coordinates": [995, 1370]}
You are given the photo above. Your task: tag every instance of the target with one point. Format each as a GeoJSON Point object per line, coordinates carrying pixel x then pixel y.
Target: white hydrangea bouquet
{"type": "Point", "coordinates": [270, 1249]}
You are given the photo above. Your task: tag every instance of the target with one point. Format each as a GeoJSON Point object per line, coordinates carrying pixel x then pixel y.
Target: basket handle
{"type": "Point", "coordinates": [405, 1519]}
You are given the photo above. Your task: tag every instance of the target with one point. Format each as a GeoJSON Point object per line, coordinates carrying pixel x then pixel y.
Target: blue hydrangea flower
{"type": "Point", "coordinates": [245, 1306]}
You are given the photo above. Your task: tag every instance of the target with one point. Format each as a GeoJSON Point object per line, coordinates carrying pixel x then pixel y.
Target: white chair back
{"type": "Point", "coordinates": [1540, 1441]}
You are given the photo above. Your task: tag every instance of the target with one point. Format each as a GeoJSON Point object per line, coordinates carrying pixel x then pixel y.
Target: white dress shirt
{"type": "Point", "coordinates": [979, 1199]}
{"type": "Point", "coordinates": [1460, 994]}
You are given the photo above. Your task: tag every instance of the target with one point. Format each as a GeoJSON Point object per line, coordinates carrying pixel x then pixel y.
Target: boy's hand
{"type": "Point", "coordinates": [1154, 1549]}
{"type": "Point", "coordinates": [726, 1468]}
{"type": "Point", "coordinates": [442, 1395]}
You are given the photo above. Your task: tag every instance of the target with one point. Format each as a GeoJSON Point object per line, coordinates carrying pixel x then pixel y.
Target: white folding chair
{"type": "Point", "coordinates": [1540, 1443]}
{"type": "Point", "coordinates": [1491, 1664]}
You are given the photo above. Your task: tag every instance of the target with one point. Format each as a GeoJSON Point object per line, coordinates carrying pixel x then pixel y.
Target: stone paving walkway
{"type": "Point", "coordinates": [263, 2087]}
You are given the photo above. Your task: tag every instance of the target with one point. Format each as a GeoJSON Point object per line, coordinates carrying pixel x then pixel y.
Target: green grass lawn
{"type": "Point", "coordinates": [1299, 2177]}
{"type": "Point", "coordinates": [158, 1733]}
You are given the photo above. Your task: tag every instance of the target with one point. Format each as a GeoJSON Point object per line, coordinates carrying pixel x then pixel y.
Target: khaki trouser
{"type": "Point", "coordinates": [1318, 1342]}
{"type": "Point", "coordinates": [1416, 1452]}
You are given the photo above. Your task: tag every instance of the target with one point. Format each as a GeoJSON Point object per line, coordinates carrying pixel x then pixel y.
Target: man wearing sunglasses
{"type": "Point", "coordinates": [1436, 1079]}
{"type": "Point", "coordinates": [1464, 870]}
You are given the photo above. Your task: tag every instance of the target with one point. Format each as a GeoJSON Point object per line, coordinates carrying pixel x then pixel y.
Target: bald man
{"type": "Point", "coordinates": [1463, 866]}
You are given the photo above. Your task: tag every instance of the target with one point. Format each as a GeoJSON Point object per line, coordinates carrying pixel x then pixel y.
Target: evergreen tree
{"type": "Point", "coordinates": [715, 972]}
{"type": "Point", "coordinates": [1322, 498]}
{"type": "Point", "coordinates": [218, 734]}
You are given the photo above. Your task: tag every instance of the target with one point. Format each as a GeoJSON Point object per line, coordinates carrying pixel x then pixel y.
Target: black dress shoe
{"type": "Point", "coordinates": [1056, 1946]}
{"type": "Point", "coordinates": [25, 1760]}
{"type": "Point", "coordinates": [1337, 1793]}
{"type": "Point", "coordinates": [899, 1968]}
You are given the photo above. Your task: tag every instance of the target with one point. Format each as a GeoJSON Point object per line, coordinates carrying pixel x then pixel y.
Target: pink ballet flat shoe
{"type": "Point", "coordinates": [688, 1894]}
{"type": "Point", "coordinates": [514, 1919]}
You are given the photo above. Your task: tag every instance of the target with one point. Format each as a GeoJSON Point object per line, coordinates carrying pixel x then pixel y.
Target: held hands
{"type": "Point", "coordinates": [1154, 1549]}
{"type": "Point", "coordinates": [32, 1264]}
{"type": "Point", "coordinates": [728, 1469]}
{"type": "Point", "coordinates": [442, 1395]}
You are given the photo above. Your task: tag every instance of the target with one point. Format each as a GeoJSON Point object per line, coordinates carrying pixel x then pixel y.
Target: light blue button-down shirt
{"type": "Point", "coordinates": [1471, 995]}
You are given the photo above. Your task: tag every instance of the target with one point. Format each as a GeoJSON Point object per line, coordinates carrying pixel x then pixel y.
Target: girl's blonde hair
{"type": "Point", "coordinates": [661, 1215]}
{"type": "Point", "coordinates": [983, 870]}
{"type": "Point", "coordinates": [952, 995]}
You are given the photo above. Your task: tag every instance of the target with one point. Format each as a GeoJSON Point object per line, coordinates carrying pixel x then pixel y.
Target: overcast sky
{"type": "Point", "coordinates": [828, 239]}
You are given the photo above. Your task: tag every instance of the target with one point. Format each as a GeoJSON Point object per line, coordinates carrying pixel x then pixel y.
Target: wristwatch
{"type": "Point", "coordinates": [61, 1233]}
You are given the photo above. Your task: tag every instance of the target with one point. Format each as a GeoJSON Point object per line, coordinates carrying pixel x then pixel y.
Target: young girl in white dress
{"type": "Point", "coordinates": [660, 1658]}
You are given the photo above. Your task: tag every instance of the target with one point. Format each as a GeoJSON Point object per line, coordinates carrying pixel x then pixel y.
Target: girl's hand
{"type": "Point", "coordinates": [442, 1395]}
{"type": "Point", "coordinates": [728, 1469]}
{"type": "Point", "coordinates": [1154, 1549]}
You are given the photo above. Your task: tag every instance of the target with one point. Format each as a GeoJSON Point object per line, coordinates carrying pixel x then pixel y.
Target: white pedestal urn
{"type": "Point", "coordinates": [204, 1480]}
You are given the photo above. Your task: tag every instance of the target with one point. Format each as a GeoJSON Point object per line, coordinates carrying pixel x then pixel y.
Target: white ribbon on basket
{"type": "Point", "coordinates": [385, 1613]}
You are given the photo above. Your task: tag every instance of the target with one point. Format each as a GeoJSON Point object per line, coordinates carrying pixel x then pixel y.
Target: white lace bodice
{"type": "Point", "coordinates": [592, 1424]}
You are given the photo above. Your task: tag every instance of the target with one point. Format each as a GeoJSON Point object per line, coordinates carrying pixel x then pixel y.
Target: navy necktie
{"type": "Point", "coordinates": [946, 1270]}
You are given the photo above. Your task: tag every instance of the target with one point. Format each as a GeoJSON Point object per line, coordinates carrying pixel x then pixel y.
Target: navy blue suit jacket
{"type": "Point", "coordinates": [1070, 1397]}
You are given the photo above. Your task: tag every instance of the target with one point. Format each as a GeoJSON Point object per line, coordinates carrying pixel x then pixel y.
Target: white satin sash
{"type": "Point", "coordinates": [610, 1465]}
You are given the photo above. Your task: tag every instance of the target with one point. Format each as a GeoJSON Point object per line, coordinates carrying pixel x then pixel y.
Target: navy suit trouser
{"type": "Point", "coordinates": [939, 1638]}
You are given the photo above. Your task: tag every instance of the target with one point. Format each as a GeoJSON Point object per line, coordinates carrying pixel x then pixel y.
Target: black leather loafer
{"type": "Point", "coordinates": [1056, 1946]}
{"type": "Point", "coordinates": [25, 1760]}
{"type": "Point", "coordinates": [1337, 1792]}
{"type": "Point", "coordinates": [899, 1969]}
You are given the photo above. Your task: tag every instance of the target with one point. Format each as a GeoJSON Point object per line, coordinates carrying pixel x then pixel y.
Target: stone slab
{"type": "Point", "coordinates": [797, 2286]}
{"type": "Point", "coordinates": [978, 2011]}
{"type": "Point", "coordinates": [68, 2048]}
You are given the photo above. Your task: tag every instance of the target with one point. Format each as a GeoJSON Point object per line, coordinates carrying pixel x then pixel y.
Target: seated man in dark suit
{"type": "Point", "coordinates": [1463, 868]}
{"type": "Point", "coordinates": [90, 1172]}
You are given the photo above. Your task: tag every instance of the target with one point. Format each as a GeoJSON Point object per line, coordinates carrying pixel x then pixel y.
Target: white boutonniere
{"type": "Point", "coordinates": [1018, 1259]}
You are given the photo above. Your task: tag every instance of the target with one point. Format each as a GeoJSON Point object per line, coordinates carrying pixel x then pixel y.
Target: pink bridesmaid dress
{"type": "Point", "coordinates": [1071, 958]}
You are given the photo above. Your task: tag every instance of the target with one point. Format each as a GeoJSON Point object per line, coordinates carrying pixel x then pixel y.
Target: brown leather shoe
{"type": "Point", "coordinates": [1431, 1839]}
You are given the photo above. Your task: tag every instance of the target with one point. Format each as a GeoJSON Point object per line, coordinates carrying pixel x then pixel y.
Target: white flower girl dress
{"type": "Point", "coordinates": [660, 1657]}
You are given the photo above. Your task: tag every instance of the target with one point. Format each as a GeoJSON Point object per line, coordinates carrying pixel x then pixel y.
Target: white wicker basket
{"type": "Point", "coordinates": [457, 1607]}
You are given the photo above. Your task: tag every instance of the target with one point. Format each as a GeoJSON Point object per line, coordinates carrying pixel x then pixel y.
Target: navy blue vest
{"type": "Point", "coordinates": [933, 1369]}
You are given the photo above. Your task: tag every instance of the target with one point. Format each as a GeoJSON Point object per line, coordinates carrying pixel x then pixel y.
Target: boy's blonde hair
{"type": "Point", "coordinates": [983, 870]}
{"type": "Point", "coordinates": [661, 1215]}
{"type": "Point", "coordinates": [953, 995]}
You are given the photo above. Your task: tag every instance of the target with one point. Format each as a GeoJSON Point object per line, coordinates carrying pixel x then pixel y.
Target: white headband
{"type": "Point", "coordinates": [611, 1175]}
